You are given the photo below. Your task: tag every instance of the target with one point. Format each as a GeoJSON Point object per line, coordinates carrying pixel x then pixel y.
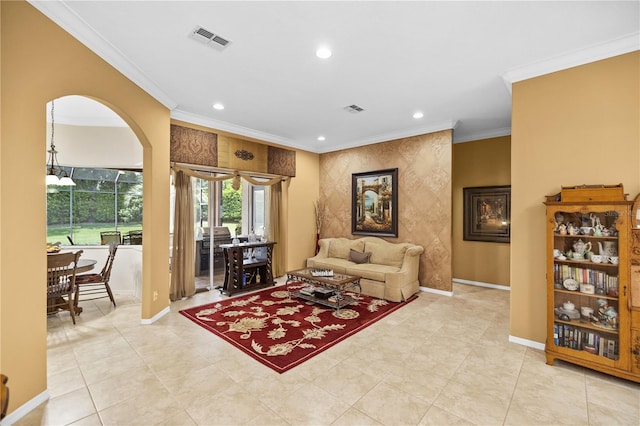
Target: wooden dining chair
{"type": "Point", "coordinates": [61, 282]}
{"type": "Point", "coordinates": [96, 286]}
{"type": "Point", "coordinates": [107, 237]}
{"type": "Point", "coordinates": [135, 237]}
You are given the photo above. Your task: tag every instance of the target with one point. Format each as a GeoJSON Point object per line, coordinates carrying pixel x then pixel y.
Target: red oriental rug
{"type": "Point", "coordinates": [282, 332]}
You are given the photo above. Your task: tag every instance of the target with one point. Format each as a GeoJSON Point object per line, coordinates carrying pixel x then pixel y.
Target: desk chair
{"type": "Point", "coordinates": [96, 286]}
{"type": "Point", "coordinates": [61, 282]}
{"type": "Point", "coordinates": [107, 237]}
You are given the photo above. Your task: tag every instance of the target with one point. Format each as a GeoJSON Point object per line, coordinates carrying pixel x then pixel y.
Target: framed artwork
{"type": "Point", "coordinates": [374, 203]}
{"type": "Point", "coordinates": [487, 214]}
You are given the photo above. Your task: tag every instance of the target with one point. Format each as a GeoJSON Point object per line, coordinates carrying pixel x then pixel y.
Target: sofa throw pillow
{"type": "Point", "coordinates": [357, 257]}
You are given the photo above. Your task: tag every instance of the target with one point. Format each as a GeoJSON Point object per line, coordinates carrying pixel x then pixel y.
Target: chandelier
{"type": "Point", "coordinates": [55, 174]}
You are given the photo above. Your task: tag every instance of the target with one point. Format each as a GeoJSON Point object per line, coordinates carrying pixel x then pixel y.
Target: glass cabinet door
{"type": "Point", "coordinates": [586, 280]}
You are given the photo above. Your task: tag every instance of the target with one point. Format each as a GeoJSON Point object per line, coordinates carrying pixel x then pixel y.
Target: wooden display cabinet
{"type": "Point", "coordinates": [591, 320]}
{"type": "Point", "coordinates": [248, 266]}
{"type": "Point", "coordinates": [635, 286]}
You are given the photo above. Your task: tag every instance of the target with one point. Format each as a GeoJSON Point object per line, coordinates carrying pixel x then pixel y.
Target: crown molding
{"type": "Point", "coordinates": [225, 126]}
{"type": "Point", "coordinates": [619, 46]}
{"type": "Point", "coordinates": [267, 137]}
{"type": "Point", "coordinates": [69, 21]}
{"type": "Point", "coordinates": [485, 134]}
{"type": "Point", "coordinates": [390, 136]}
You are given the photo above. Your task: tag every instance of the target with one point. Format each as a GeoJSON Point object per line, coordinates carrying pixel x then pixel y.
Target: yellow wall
{"type": "Point", "coordinates": [572, 127]}
{"type": "Point", "coordinates": [41, 62]}
{"type": "Point", "coordinates": [479, 163]}
{"type": "Point", "coordinates": [303, 191]}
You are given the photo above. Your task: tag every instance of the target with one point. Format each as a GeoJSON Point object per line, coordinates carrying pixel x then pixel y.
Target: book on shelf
{"type": "Point", "coordinates": [595, 277]}
{"type": "Point", "coordinates": [309, 290]}
{"type": "Point", "coordinates": [568, 336]}
{"type": "Point", "coordinates": [323, 293]}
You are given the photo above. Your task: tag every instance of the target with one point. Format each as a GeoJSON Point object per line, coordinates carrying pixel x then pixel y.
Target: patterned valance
{"type": "Point", "coordinates": [193, 146]}
{"type": "Point", "coordinates": [200, 147]}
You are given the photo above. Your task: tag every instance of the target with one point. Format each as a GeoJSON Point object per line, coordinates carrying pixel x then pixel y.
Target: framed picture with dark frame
{"type": "Point", "coordinates": [374, 203]}
{"type": "Point", "coordinates": [487, 214]}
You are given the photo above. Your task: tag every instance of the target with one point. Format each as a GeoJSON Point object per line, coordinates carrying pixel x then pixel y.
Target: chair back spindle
{"type": "Point", "coordinates": [61, 282]}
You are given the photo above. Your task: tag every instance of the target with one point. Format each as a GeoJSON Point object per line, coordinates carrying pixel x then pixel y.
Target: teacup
{"type": "Point", "coordinates": [586, 311]}
{"type": "Point", "coordinates": [586, 230]}
{"type": "Point", "coordinates": [596, 258]}
{"type": "Point", "coordinates": [557, 253]}
{"type": "Point", "coordinates": [614, 259]}
{"type": "Point", "coordinates": [568, 306]}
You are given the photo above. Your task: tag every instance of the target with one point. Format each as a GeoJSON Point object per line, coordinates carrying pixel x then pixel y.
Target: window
{"type": "Point", "coordinates": [201, 203]}
{"type": "Point", "coordinates": [239, 210]}
{"type": "Point", "coordinates": [257, 204]}
{"type": "Point", "coordinates": [102, 200]}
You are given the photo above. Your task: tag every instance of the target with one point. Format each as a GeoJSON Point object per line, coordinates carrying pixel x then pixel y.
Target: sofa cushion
{"type": "Point", "coordinates": [371, 271]}
{"type": "Point", "coordinates": [386, 254]}
{"type": "Point", "coordinates": [357, 257]}
{"type": "Point", "coordinates": [340, 247]}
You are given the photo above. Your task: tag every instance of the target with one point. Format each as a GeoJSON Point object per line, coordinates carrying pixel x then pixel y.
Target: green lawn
{"type": "Point", "coordinates": [86, 233]}
{"type": "Point", "coordinates": [89, 233]}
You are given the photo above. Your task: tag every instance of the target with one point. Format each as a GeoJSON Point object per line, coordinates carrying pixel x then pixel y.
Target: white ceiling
{"type": "Point", "coordinates": [454, 61]}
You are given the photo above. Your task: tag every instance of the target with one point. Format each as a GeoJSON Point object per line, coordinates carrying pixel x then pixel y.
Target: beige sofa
{"type": "Point", "coordinates": [388, 270]}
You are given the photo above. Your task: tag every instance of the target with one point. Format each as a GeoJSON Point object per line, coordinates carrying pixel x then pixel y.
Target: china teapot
{"type": "Point", "coordinates": [608, 248]}
{"type": "Point", "coordinates": [581, 247]}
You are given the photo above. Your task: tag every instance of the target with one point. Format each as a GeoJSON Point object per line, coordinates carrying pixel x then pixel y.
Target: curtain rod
{"type": "Point", "coordinates": [203, 168]}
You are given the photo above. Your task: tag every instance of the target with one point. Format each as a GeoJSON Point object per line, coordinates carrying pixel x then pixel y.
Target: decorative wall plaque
{"type": "Point", "coordinates": [244, 155]}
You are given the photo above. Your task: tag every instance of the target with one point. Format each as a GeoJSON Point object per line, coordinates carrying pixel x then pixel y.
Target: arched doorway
{"type": "Point", "coordinates": [101, 154]}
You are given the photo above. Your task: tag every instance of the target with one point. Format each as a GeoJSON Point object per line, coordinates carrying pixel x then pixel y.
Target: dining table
{"type": "Point", "coordinates": [85, 265]}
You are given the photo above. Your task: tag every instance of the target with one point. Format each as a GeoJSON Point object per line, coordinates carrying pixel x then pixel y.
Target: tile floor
{"type": "Point", "coordinates": [439, 360]}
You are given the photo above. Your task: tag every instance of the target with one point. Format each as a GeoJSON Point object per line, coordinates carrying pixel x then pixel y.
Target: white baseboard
{"type": "Point", "coordinates": [436, 291]}
{"type": "Point", "coordinates": [528, 343]}
{"type": "Point", "coordinates": [481, 284]}
{"type": "Point", "coordinates": [25, 408]}
{"type": "Point", "coordinates": [156, 317]}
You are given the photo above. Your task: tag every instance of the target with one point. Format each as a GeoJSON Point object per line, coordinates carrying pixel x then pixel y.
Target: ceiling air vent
{"type": "Point", "coordinates": [204, 35]}
{"type": "Point", "coordinates": [353, 108]}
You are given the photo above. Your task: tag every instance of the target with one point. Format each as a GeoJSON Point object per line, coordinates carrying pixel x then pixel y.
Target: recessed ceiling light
{"type": "Point", "coordinates": [323, 53]}
{"type": "Point", "coordinates": [218, 106]}
{"type": "Point", "coordinates": [321, 138]}
{"type": "Point", "coordinates": [418, 114]}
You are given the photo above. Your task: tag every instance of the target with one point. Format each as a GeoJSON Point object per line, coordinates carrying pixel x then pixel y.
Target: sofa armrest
{"type": "Point", "coordinates": [411, 262]}
{"type": "Point", "coordinates": [324, 250]}
{"type": "Point", "coordinates": [408, 273]}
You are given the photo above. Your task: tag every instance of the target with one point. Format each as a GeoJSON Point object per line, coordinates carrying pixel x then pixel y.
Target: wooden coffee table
{"type": "Point", "coordinates": [336, 285]}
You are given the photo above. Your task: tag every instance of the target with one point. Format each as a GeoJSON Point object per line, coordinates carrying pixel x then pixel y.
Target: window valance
{"type": "Point", "coordinates": [235, 175]}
